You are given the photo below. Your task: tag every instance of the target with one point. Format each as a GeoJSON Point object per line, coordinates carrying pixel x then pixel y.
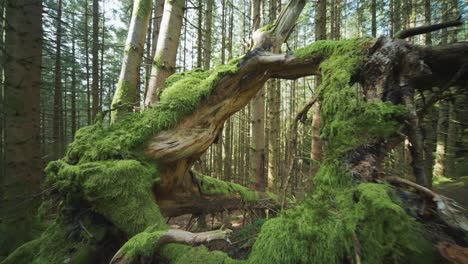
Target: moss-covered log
{"type": "Point", "coordinates": [112, 179]}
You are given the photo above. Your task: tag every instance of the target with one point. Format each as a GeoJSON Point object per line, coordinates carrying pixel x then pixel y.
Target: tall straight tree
{"type": "Point", "coordinates": [95, 51]}
{"type": "Point", "coordinates": [374, 18]}
{"type": "Point", "coordinates": [73, 84]}
{"type": "Point", "coordinates": [273, 122]}
{"type": "Point", "coordinates": [320, 34]}
{"type": "Point", "coordinates": [207, 39]}
{"type": "Point", "coordinates": [23, 167]}
{"type": "Point", "coordinates": [125, 95]}
{"type": "Point", "coordinates": [157, 17]}
{"type": "Point", "coordinates": [166, 51]}
{"type": "Point", "coordinates": [258, 121]}
{"type": "Point", "coordinates": [58, 111]}
{"type": "Point", "coordinates": [86, 47]}
{"type": "Point", "coordinates": [200, 34]}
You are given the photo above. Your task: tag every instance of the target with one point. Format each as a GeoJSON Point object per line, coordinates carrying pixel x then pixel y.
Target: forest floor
{"type": "Point", "coordinates": [245, 231]}
{"type": "Point", "coordinates": [456, 189]}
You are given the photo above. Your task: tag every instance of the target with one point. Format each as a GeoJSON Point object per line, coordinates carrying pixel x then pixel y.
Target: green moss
{"type": "Point", "coordinates": [54, 246]}
{"type": "Point", "coordinates": [142, 244]}
{"type": "Point", "coordinates": [113, 188]}
{"type": "Point", "coordinates": [124, 99]}
{"type": "Point", "coordinates": [321, 229]}
{"type": "Point", "coordinates": [268, 27]}
{"type": "Point", "coordinates": [210, 185]}
{"type": "Point", "coordinates": [120, 140]}
{"type": "Point", "coordinates": [182, 254]}
{"type": "Point", "coordinates": [144, 8]}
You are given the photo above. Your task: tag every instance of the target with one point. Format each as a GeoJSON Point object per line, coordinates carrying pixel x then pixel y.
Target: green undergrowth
{"type": "Point", "coordinates": [54, 246]}
{"type": "Point", "coordinates": [321, 229]}
{"type": "Point", "coordinates": [182, 254]}
{"type": "Point", "coordinates": [182, 95]}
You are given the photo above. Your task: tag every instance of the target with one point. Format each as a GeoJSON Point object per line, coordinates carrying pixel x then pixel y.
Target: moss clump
{"type": "Point", "coordinates": [210, 185]}
{"type": "Point", "coordinates": [182, 254]}
{"type": "Point", "coordinates": [54, 246]}
{"type": "Point", "coordinates": [142, 244]}
{"type": "Point", "coordinates": [121, 140]}
{"type": "Point", "coordinates": [349, 121]}
{"type": "Point", "coordinates": [321, 229]}
{"type": "Point", "coordinates": [120, 190]}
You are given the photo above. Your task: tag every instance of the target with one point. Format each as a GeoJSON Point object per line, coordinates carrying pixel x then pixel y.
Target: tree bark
{"type": "Point", "coordinates": [73, 85]}
{"type": "Point", "coordinates": [21, 94]}
{"type": "Point", "coordinates": [125, 96]}
{"type": "Point", "coordinates": [273, 121]}
{"type": "Point", "coordinates": [86, 47]}
{"type": "Point", "coordinates": [320, 34]}
{"type": "Point", "coordinates": [166, 52]}
{"type": "Point", "coordinates": [95, 51]}
{"type": "Point", "coordinates": [374, 18]}
{"type": "Point", "coordinates": [58, 111]}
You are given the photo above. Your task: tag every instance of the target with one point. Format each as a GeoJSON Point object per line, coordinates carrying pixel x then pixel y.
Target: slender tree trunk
{"type": "Point", "coordinates": [86, 47]}
{"type": "Point", "coordinates": [273, 121]}
{"type": "Point", "coordinates": [73, 85]}
{"type": "Point", "coordinates": [23, 166]}
{"type": "Point", "coordinates": [207, 39]}
{"type": "Point", "coordinates": [439, 166]}
{"type": "Point", "coordinates": [258, 178]}
{"type": "Point", "coordinates": [200, 34]}
{"type": "Point", "coordinates": [392, 17]}
{"type": "Point", "coordinates": [101, 66]}
{"type": "Point", "coordinates": [2, 111]}
{"type": "Point", "coordinates": [374, 17]}
{"type": "Point", "coordinates": [58, 118]}
{"type": "Point", "coordinates": [166, 52]}
{"type": "Point", "coordinates": [125, 95]}
{"type": "Point", "coordinates": [158, 13]}
{"type": "Point", "coordinates": [452, 139]}
{"type": "Point", "coordinates": [228, 139]}
{"type": "Point", "coordinates": [320, 33]}
{"type": "Point", "coordinates": [427, 20]}
{"type": "Point", "coordinates": [95, 51]}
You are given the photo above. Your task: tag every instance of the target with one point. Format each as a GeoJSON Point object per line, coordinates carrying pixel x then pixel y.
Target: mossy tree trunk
{"type": "Point", "coordinates": [106, 169]}
{"type": "Point", "coordinates": [125, 98]}
{"type": "Point", "coordinates": [166, 51]}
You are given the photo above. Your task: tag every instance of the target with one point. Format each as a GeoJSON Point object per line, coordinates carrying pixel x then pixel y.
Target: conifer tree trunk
{"type": "Point", "coordinates": [125, 98]}
{"type": "Point", "coordinates": [374, 18]}
{"type": "Point", "coordinates": [21, 94]}
{"type": "Point", "coordinates": [258, 178]}
{"type": "Point", "coordinates": [200, 34]}
{"type": "Point", "coordinates": [73, 85]}
{"type": "Point", "coordinates": [101, 63]}
{"type": "Point", "coordinates": [86, 47]}
{"type": "Point", "coordinates": [207, 39]}
{"type": "Point", "coordinates": [273, 122]}
{"type": "Point", "coordinates": [320, 33]}
{"type": "Point", "coordinates": [439, 166]}
{"type": "Point", "coordinates": [2, 111]}
{"type": "Point", "coordinates": [158, 13]}
{"type": "Point", "coordinates": [95, 51]}
{"type": "Point", "coordinates": [58, 117]}
{"type": "Point", "coordinates": [166, 51]}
